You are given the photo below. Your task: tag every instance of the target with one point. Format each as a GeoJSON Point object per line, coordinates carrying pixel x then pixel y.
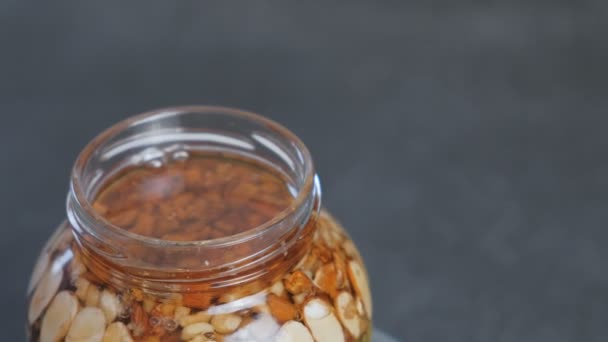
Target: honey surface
{"type": "Point", "coordinates": [198, 198]}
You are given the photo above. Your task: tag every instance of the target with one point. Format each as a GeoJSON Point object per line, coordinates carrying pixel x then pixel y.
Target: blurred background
{"type": "Point", "coordinates": [461, 143]}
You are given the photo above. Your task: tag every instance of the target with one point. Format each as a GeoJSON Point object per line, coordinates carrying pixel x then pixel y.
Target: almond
{"type": "Point", "coordinates": [195, 329]}
{"type": "Point", "coordinates": [92, 298]}
{"type": "Point", "coordinates": [194, 318]}
{"type": "Point", "coordinates": [326, 235]}
{"type": "Point", "coordinates": [323, 324]}
{"type": "Point", "coordinates": [326, 279]}
{"type": "Point", "coordinates": [44, 292]}
{"type": "Point", "coordinates": [340, 264]}
{"type": "Point", "coordinates": [148, 304]}
{"type": "Point", "coordinates": [58, 317]}
{"type": "Point", "coordinates": [137, 294]}
{"type": "Point", "coordinates": [293, 331]}
{"type": "Point", "coordinates": [181, 311]}
{"type": "Point", "coordinates": [166, 309]}
{"type": "Point", "coordinates": [323, 253]}
{"type": "Point", "coordinates": [298, 282]}
{"type": "Point", "coordinates": [309, 262]}
{"type": "Point", "coordinates": [89, 325]}
{"type": "Point", "coordinates": [350, 249]}
{"type": "Point", "coordinates": [299, 298]}
{"type": "Point", "coordinates": [360, 308]}
{"type": "Point", "coordinates": [139, 320]}
{"type": "Point", "coordinates": [358, 279]}
{"type": "Point", "coordinates": [82, 286]}
{"type": "Point", "coordinates": [337, 234]}
{"type": "Point", "coordinates": [347, 312]}
{"type": "Point", "coordinates": [109, 304]}
{"type": "Point", "coordinates": [117, 332]}
{"type": "Point", "coordinates": [42, 264]}
{"type": "Point", "coordinates": [282, 309]}
{"type": "Point", "coordinates": [278, 288]}
{"type": "Point", "coordinates": [225, 324]}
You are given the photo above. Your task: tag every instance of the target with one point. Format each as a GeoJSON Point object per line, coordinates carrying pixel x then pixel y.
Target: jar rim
{"type": "Point", "coordinates": [79, 197]}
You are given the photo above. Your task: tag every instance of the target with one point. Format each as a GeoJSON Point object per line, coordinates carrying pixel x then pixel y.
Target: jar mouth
{"type": "Point", "coordinates": [81, 192]}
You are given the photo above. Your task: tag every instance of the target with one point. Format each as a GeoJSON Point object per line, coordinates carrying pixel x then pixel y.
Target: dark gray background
{"type": "Point", "coordinates": [461, 143]}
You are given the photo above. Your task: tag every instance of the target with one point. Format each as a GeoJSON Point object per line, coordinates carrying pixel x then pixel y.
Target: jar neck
{"type": "Point", "coordinates": [126, 259]}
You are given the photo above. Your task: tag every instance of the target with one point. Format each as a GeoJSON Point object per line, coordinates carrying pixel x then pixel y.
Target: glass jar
{"type": "Point", "coordinates": [292, 275]}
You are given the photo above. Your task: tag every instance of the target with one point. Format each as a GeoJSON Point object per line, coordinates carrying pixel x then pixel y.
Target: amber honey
{"type": "Point", "coordinates": [205, 196]}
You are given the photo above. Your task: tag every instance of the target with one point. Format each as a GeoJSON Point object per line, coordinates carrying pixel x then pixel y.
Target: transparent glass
{"type": "Point", "coordinates": [296, 277]}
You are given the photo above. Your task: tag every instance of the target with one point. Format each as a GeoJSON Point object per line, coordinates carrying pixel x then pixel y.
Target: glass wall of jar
{"type": "Point", "coordinates": [198, 224]}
